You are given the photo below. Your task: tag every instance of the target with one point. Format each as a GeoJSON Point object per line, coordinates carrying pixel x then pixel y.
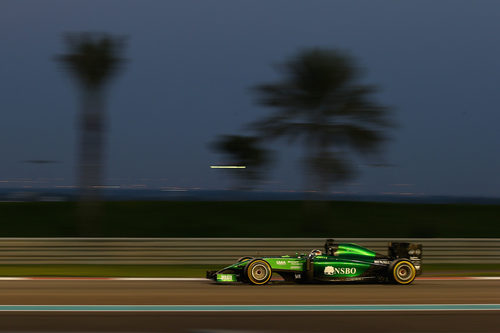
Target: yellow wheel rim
{"type": "Point", "coordinates": [259, 272]}
{"type": "Point", "coordinates": [404, 272]}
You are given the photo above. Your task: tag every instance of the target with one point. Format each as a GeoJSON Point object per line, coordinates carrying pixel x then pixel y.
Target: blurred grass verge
{"type": "Point", "coordinates": [106, 270]}
{"type": "Point", "coordinates": [198, 271]}
{"type": "Point", "coordinates": [254, 219]}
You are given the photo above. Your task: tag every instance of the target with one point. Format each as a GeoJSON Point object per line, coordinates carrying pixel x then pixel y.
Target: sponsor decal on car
{"type": "Point", "coordinates": [226, 277]}
{"type": "Point", "coordinates": [330, 270]}
{"type": "Point", "coordinates": [280, 262]}
{"type": "Point", "coordinates": [381, 262]}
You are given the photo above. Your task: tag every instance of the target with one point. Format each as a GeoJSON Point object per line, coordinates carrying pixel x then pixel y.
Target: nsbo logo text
{"type": "Point", "coordinates": [330, 270]}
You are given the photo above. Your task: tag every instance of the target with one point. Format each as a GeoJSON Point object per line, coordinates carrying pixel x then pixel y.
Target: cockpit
{"type": "Point", "coordinates": [315, 252]}
{"type": "Point", "coordinates": [330, 249]}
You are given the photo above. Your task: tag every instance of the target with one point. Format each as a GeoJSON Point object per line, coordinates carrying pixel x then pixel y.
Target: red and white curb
{"type": "Point", "coordinates": [437, 278]}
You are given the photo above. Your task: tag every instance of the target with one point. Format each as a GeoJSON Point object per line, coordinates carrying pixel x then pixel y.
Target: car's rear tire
{"type": "Point", "coordinates": [402, 272]}
{"type": "Point", "coordinates": [258, 272]}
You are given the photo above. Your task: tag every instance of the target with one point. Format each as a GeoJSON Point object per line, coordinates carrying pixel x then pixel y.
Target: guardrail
{"type": "Point", "coordinates": [166, 251]}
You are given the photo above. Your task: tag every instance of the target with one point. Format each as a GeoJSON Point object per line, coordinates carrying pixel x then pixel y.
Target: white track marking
{"type": "Point", "coordinates": [14, 278]}
{"type": "Point", "coordinates": [251, 308]}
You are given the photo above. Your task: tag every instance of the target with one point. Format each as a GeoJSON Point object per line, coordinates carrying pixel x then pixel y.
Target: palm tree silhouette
{"type": "Point", "coordinates": [92, 59]}
{"type": "Point", "coordinates": [244, 151]}
{"type": "Point", "coordinates": [320, 104]}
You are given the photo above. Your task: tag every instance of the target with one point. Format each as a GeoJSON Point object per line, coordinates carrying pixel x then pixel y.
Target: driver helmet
{"type": "Point", "coordinates": [316, 252]}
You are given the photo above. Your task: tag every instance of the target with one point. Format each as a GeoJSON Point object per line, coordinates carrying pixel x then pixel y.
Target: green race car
{"type": "Point", "coordinates": [338, 262]}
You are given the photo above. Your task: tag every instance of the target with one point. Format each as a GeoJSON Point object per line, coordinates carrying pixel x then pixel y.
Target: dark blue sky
{"type": "Point", "coordinates": [191, 66]}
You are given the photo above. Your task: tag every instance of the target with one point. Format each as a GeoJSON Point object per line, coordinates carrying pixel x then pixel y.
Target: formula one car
{"type": "Point", "coordinates": [338, 262]}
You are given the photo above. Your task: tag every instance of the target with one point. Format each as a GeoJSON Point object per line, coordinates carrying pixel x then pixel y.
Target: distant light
{"type": "Point", "coordinates": [105, 186]}
{"type": "Point", "coordinates": [227, 167]}
{"type": "Point", "coordinates": [40, 161]}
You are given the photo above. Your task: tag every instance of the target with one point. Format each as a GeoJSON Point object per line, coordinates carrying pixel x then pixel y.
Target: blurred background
{"type": "Point", "coordinates": [165, 138]}
{"type": "Point", "coordinates": [195, 101]}
{"type": "Point", "coordinates": [189, 74]}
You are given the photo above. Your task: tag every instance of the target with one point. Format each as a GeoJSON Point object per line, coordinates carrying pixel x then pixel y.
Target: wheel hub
{"type": "Point", "coordinates": [259, 272]}
{"type": "Point", "coordinates": [404, 273]}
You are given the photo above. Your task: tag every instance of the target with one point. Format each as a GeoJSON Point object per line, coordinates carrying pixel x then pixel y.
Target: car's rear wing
{"type": "Point", "coordinates": [411, 251]}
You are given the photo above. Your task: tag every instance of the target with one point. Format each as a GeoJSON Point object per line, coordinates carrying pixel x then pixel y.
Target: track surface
{"type": "Point", "coordinates": [201, 292]}
{"type": "Point", "coordinates": [204, 292]}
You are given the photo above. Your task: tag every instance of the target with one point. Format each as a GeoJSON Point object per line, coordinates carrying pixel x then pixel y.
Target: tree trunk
{"type": "Point", "coordinates": [91, 156]}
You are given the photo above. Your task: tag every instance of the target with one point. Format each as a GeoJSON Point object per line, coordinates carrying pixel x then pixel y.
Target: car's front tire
{"type": "Point", "coordinates": [402, 272]}
{"type": "Point", "coordinates": [258, 272]}
{"type": "Point", "coordinates": [244, 259]}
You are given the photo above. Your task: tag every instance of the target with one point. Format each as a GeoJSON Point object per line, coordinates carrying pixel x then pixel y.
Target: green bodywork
{"type": "Point", "coordinates": [348, 261]}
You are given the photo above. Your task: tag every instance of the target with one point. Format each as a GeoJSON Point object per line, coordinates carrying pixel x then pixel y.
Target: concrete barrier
{"type": "Point", "coordinates": [166, 251]}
